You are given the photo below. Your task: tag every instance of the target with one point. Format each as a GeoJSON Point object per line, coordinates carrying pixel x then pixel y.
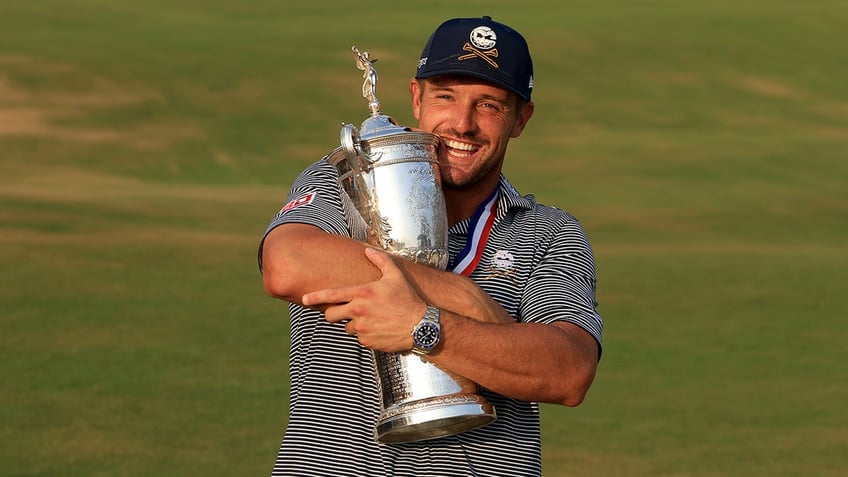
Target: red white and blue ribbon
{"type": "Point", "coordinates": [478, 233]}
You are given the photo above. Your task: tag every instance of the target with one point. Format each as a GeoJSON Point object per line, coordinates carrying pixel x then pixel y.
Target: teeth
{"type": "Point", "coordinates": [459, 145]}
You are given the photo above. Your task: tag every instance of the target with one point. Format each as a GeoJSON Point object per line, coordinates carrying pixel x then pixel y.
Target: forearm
{"type": "Point", "coordinates": [299, 258]}
{"type": "Point", "coordinates": [529, 361]}
{"type": "Point", "coordinates": [454, 293]}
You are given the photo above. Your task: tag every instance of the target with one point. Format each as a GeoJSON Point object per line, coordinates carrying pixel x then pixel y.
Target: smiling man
{"type": "Point", "coordinates": [517, 308]}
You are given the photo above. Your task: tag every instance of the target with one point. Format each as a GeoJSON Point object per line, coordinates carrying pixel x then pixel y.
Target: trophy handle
{"type": "Point", "coordinates": [357, 151]}
{"type": "Point", "coordinates": [350, 141]}
{"type": "Point", "coordinates": [352, 147]}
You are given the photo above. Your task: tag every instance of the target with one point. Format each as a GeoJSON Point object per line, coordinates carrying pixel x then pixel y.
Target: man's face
{"type": "Point", "coordinates": [475, 121]}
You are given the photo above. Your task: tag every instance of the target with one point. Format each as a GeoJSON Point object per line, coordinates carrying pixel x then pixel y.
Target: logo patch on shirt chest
{"type": "Point", "coordinates": [502, 265]}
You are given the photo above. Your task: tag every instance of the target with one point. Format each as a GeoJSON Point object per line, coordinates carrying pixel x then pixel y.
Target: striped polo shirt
{"type": "Point", "coordinates": [537, 263]}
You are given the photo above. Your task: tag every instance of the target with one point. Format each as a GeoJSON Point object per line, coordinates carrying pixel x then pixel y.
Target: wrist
{"type": "Point", "coordinates": [426, 334]}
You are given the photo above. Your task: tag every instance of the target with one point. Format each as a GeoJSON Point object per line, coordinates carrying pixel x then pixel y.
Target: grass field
{"type": "Point", "coordinates": [144, 146]}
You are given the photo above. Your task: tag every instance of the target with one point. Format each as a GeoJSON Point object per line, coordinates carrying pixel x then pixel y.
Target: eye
{"type": "Point", "coordinates": [491, 107]}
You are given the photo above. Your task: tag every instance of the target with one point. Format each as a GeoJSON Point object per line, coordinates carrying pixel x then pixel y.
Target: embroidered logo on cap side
{"type": "Point", "coordinates": [482, 45]}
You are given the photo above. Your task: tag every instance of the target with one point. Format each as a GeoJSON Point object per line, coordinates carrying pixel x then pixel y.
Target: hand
{"type": "Point", "coordinates": [381, 314]}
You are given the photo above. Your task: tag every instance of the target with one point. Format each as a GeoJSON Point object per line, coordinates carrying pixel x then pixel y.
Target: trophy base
{"type": "Point", "coordinates": [434, 417]}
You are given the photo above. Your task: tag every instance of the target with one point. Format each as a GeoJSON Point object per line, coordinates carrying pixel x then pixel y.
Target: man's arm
{"type": "Point", "coordinates": [530, 361]}
{"type": "Point", "coordinates": [299, 258]}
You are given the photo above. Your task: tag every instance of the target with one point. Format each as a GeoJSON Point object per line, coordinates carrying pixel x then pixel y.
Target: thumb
{"type": "Point", "coordinates": [381, 260]}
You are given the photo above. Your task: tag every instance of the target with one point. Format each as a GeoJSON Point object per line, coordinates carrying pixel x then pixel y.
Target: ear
{"type": "Point", "coordinates": [523, 117]}
{"type": "Point", "coordinates": [415, 94]}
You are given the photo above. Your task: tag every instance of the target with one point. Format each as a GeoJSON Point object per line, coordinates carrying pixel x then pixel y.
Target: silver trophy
{"type": "Point", "coordinates": [391, 174]}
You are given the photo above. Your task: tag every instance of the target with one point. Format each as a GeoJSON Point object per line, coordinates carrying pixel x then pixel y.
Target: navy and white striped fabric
{"type": "Point", "coordinates": [537, 264]}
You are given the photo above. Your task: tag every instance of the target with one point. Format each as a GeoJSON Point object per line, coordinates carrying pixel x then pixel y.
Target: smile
{"type": "Point", "coordinates": [461, 149]}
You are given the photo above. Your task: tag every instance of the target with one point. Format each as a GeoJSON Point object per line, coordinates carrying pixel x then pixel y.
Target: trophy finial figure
{"type": "Point", "coordinates": [369, 85]}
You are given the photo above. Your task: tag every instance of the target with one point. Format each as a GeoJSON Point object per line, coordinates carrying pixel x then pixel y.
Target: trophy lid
{"type": "Point", "coordinates": [379, 125]}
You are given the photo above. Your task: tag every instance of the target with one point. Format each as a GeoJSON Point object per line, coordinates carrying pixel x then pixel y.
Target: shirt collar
{"type": "Point", "coordinates": [509, 197]}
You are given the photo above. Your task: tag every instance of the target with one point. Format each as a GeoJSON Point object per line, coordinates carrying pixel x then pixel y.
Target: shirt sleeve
{"type": "Point", "coordinates": [315, 198]}
{"type": "Point", "coordinates": [562, 286]}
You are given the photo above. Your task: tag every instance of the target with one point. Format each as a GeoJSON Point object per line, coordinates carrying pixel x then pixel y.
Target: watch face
{"type": "Point", "coordinates": [427, 336]}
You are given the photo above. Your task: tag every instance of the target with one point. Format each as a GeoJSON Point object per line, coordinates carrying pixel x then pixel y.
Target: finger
{"type": "Point", "coordinates": [337, 314]}
{"type": "Point", "coordinates": [327, 296]}
{"type": "Point", "coordinates": [350, 328]}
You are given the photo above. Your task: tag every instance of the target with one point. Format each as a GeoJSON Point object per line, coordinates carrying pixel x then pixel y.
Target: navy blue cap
{"type": "Point", "coordinates": [479, 47]}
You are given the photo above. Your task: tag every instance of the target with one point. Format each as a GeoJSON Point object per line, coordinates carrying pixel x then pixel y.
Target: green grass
{"type": "Point", "coordinates": [144, 147]}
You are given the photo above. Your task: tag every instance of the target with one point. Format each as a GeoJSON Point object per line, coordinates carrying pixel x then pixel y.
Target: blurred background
{"type": "Point", "coordinates": [145, 146]}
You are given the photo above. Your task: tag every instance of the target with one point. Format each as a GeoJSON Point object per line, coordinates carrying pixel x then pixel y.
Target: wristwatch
{"type": "Point", "coordinates": [426, 334]}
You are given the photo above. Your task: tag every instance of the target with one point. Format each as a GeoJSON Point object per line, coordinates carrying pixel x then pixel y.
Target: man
{"type": "Point", "coordinates": [522, 323]}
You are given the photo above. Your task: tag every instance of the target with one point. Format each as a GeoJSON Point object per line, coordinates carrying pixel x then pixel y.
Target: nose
{"type": "Point", "coordinates": [465, 119]}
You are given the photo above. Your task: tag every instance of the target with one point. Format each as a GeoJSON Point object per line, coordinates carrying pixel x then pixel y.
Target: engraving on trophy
{"type": "Point", "coordinates": [393, 377]}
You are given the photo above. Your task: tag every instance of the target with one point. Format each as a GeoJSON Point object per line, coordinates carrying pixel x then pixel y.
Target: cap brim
{"type": "Point", "coordinates": [476, 74]}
